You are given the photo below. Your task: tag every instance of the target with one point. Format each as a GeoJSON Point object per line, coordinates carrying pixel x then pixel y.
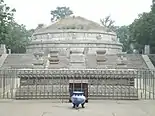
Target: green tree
{"type": "Point", "coordinates": [143, 31]}
{"type": "Point", "coordinates": [13, 35]}
{"type": "Point", "coordinates": [123, 34]}
{"type": "Point", "coordinates": [108, 23]}
{"type": "Point", "coordinates": [6, 17]}
{"type": "Point", "coordinates": [18, 38]}
{"type": "Point", "coordinates": [60, 12]}
{"type": "Point", "coordinates": [153, 6]}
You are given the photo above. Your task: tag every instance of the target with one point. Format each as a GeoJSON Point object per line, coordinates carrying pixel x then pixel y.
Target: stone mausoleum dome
{"type": "Point", "coordinates": [74, 34]}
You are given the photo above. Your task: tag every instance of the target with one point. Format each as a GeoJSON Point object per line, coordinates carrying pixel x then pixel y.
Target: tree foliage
{"type": "Point", "coordinates": [143, 31]}
{"type": "Point", "coordinates": [122, 32]}
{"type": "Point", "coordinates": [153, 6]}
{"type": "Point", "coordinates": [18, 38]}
{"type": "Point", "coordinates": [139, 33]}
{"type": "Point", "coordinates": [6, 17]}
{"type": "Point", "coordinates": [13, 35]}
{"type": "Point", "coordinates": [124, 37]}
{"type": "Point", "coordinates": [108, 23]}
{"type": "Point", "coordinates": [60, 13]}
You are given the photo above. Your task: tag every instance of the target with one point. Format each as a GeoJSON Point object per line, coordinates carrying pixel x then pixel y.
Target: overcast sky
{"type": "Point", "coordinates": [33, 12]}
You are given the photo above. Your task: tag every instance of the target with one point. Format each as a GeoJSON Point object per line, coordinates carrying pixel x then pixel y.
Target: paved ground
{"type": "Point", "coordinates": [93, 108]}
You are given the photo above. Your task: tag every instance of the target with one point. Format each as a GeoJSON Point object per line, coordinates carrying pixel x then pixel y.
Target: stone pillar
{"type": "Point", "coordinates": [77, 58]}
{"type": "Point", "coordinates": [100, 57]}
{"type": "Point", "coordinates": [39, 61]}
{"type": "Point", "coordinates": [147, 49]}
{"type": "Point", "coordinates": [121, 61]}
{"type": "Point", "coordinates": [9, 50]}
{"type": "Point", "coordinates": [3, 49]}
{"type": "Point", "coordinates": [53, 58]}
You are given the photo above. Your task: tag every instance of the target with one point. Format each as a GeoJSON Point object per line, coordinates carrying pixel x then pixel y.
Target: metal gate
{"type": "Point", "coordinates": [54, 84]}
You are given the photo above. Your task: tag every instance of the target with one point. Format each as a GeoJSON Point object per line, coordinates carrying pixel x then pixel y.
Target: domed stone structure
{"type": "Point", "coordinates": [74, 33]}
{"type": "Point", "coordinates": [70, 54]}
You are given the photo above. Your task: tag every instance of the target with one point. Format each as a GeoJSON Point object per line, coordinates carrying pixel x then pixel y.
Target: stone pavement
{"type": "Point", "coordinates": [93, 108]}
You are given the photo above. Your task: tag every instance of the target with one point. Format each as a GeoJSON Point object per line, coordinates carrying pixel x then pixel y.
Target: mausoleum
{"type": "Point", "coordinates": [75, 33]}
{"type": "Point", "coordinates": [74, 49]}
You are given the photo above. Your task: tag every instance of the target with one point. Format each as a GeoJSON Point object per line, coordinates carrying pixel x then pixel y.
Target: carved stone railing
{"type": "Point", "coordinates": [86, 73]}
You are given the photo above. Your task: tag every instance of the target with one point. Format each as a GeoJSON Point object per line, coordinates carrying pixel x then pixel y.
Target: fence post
{"type": "Point", "coordinates": [138, 81]}
{"type": "Point", "coordinates": [153, 84]}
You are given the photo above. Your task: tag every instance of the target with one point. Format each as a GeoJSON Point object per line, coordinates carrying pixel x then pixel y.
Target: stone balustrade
{"type": "Point", "coordinates": [94, 92]}
{"type": "Point", "coordinates": [91, 73]}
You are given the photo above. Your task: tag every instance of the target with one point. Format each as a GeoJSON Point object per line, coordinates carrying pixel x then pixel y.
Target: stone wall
{"type": "Point", "coordinates": [75, 39]}
{"type": "Point", "coordinates": [92, 46]}
{"type": "Point", "coordinates": [76, 35]}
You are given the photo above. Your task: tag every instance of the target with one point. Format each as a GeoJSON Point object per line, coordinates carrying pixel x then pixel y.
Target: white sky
{"type": "Point", "coordinates": [33, 12]}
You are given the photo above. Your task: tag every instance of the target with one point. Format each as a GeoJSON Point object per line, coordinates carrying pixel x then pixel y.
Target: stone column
{"type": "Point", "coordinates": [121, 61]}
{"type": "Point", "coordinates": [77, 58]}
{"type": "Point", "coordinates": [53, 58]}
{"type": "Point", "coordinates": [147, 49]}
{"type": "Point", "coordinates": [9, 50]}
{"type": "Point", "coordinates": [3, 49]}
{"type": "Point", "coordinates": [100, 57]}
{"type": "Point", "coordinates": [39, 61]}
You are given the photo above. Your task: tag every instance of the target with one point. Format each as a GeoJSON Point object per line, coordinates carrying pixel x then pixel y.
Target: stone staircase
{"type": "Point", "coordinates": [152, 58]}
{"type": "Point", "coordinates": [131, 61]}
{"type": "Point", "coordinates": [136, 61]}
{"type": "Point", "coordinates": [18, 61]}
{"type": "Point", "coordinates": [148, 62]}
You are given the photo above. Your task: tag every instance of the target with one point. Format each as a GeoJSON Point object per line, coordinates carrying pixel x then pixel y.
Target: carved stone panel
{"type": "Point", "coordinates": [99, 37]}
{"type": "Point", "coordinates": [121, 60]}
{"type": "Point", "coordinates": [38, 55]}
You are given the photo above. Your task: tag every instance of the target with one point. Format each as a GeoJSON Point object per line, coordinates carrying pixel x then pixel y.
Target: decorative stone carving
{"type": "Point", "coordinates": [38, 63]}
{"type": "Point", "coordinates": [100, 56]}
{"type": "Point", "coordinates": [77, 58]}
{"type": "Point", "coordinates": [55, 52]}
{"type": "Point", "coordinates": [73, 36]}
{"type": "Point", "coordinates": [99, 37]}
{"type": "Point", "coordinates": [114, 39]}
{"type": "Point", "coordinates": [121, 59]}
{"type": "Point", "coordinates": [53, 57]}
{"type": "Point", "coordinates": [33, 37]}
{"type": "Point", "coordinates": [101, 52]}
{"type": "Point", "coordinates": [38, 55]}
{"type": "Point", "coordinates": [38, 59]}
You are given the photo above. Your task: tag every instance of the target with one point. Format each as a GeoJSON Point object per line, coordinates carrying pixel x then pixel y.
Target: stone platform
{"type": "Point", "coordinates": [93, 108]}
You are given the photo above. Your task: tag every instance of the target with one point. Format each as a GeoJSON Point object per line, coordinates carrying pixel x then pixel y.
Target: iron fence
{"type": "Point", "coordinates": [130, 84]}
